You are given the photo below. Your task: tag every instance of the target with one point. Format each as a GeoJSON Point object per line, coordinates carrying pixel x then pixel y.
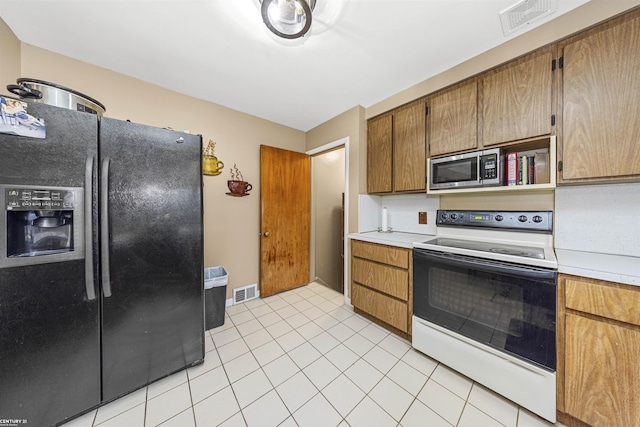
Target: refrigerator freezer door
{"type": "Point", "coordinates": [50, 361]}
{"type": "Point", "coordinates": [56, 161]}
{"type": "Point", "coordinates": [153, 319]}
{"type": "Point", "coordinates": [49, 331]}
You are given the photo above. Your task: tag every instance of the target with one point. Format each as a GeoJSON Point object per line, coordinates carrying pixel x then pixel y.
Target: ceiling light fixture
{"type": "Point", "coordinates": [288, 19]}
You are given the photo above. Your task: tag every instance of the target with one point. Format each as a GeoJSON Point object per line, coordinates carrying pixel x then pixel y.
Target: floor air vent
{"type": "Point", "coordinates": [245, 294]}
{"type": "Point", "coordinates": [524, 13]}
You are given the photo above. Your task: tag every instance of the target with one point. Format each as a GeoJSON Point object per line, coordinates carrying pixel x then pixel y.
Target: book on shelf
{"type": "Point", "coordinates": [512, 168]}
{"type": "Point", "coordinates": [531, 170]}
{"type": "Point", "coordinates": [527, 167]}
{"type": "Point", "coordinates": [522, 170]}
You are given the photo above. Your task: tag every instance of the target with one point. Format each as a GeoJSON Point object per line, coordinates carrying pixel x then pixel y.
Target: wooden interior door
{"type": "Point", "coordinates": [285, 219]}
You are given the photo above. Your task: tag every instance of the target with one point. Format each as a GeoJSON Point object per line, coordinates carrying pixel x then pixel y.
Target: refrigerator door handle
{"type": "Point", "coordinates": [88, 229]}
{"type": "Point", "coordinates": [104, 227]}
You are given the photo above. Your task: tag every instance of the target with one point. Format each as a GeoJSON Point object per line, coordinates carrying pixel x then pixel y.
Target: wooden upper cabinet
{"type": "Point", "coordinates": [517, 99]}
{"type": "Point", "coordinates": [396, 151]}
{"type": "Point", "coordinates": [453, 120]}
{"type": "Point", "coordinates": [409, 148]}
{"type": "Point", "coordinates": [380, 154]}
{"type": "Point", "coordinates": [601, 102]}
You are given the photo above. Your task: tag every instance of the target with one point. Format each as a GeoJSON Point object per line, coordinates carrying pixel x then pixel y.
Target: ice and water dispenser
{"type": "Point", "coordinates": [41, 225]}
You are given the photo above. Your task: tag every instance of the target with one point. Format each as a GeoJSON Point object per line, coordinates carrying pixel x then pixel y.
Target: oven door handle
{"type": "Point", "coordinates": [493, 266]}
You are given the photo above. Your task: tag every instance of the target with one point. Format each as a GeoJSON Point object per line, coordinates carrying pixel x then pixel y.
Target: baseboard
{"type": "Point", "coordinates": [229, 302]}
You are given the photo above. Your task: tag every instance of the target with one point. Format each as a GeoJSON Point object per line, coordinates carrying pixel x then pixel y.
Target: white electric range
{"type": "Point", "coordinates": [484, 302]}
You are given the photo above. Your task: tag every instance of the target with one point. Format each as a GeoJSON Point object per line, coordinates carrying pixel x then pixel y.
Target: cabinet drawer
{"type": "Point", "coordinates": [604, 300]}
{"type": "Point", "coordinates": [390, 280]}
{"type": "Point", "coordinates": [391, 255]}
{"type": "Point", "coordinates": [385, 308]}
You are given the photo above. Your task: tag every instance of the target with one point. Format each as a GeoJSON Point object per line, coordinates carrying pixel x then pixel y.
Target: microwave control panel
{"type": "Point", "coordinates": [489, 166]}
{"type": "Point", "coordinates": [28, 199]}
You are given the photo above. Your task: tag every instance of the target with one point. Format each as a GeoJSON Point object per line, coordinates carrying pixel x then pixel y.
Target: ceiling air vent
{"type": "Point", "coordinates": [524, 13]}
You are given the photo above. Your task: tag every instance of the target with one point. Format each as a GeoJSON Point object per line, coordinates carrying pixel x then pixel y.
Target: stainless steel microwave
{"type": "Point", "coordinates": [477, 169]}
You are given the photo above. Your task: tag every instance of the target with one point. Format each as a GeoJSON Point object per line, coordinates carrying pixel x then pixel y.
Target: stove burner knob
{"type": "Point", "coordinates": [444, 216]}
{"type": "Point", "coordinates": [522, 218]}
{"type": "Point", "coordinates": [537, 218]}
{"type": "Point", "coordinates": [499, 217]}
{"type": "Point", "coordinates": [454, 216]}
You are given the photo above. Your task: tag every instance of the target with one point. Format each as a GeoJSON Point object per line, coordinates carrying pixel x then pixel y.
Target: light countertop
{"type": "Point", "coordinates": [614, 268]}
{"type": "Point", "coordinates": [397, 238]}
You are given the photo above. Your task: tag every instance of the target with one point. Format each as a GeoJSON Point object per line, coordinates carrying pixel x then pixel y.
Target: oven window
{"type": "Point", "coordinates": [477, 300]}
{"type": "Point", "coordinates": [455, 171]}
{"type": "Point", "coordinates": [510, 312]}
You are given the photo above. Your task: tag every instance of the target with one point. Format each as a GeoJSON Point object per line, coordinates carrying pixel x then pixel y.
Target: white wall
{"type": "Point", "coordinates": [598, 218]}
{"type": "Point", "coordinates": [402, 212]}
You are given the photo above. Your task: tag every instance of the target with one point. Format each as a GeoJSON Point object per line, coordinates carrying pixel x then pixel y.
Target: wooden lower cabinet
{"type": "Point", "coordinates": [599, 350]}
{"type": "Point", "coordinates": [380, 306]}
{"type": "Point", "coordinates": [381, 284]}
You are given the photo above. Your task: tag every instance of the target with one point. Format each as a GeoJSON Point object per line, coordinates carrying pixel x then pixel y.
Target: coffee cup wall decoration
{"type": "Point", "coordinates": [210, 163]}
{"type": "Point", "coordinates": [238, 187]}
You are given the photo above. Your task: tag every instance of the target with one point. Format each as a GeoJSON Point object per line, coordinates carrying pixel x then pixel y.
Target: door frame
{"type": "Point", "coordinates": [342, 142]}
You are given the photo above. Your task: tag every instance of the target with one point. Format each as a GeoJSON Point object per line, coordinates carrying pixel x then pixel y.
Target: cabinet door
{"type": "Point", "coordinates": [602, 378]}
{"type": "Point", "coordinates": [516, 100]}
{"type": "Point", "coordinates": [453, 120]}
{"type": "Point", "coordinates": [601, 103]}
{"type": "Point", "coordinates": [409, 148]}
{"type": "Point", "coordinates": [379, 154]}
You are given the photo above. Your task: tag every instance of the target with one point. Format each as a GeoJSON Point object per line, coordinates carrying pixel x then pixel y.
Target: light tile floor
{"type": "Point", "coordinates": [303, 358]}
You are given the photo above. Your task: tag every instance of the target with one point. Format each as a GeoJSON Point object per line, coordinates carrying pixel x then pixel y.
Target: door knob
{"type": "Point", "coordinates": [266, 234]}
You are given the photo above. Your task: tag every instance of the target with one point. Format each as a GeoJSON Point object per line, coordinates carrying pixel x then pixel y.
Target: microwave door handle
{"type": "Point", "coordinates": [88, 229]}
{"type": "Point", "coordinates": [486, 265]}
{"type": "Point", "coordinates": [104, 228]}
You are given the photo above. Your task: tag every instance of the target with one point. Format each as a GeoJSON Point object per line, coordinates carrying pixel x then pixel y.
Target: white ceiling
{"type": "Point", "coordinates": [358, 52]}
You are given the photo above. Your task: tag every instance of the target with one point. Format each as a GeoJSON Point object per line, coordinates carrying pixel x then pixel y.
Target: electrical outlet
{"type": "Point", "coordinates": [422, 217]}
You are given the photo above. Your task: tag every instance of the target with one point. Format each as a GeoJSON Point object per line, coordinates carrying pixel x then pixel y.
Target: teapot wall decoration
{"type": "Point", "coordinates": [210, 163]}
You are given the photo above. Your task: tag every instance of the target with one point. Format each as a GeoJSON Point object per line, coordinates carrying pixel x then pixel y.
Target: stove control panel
{"type": "Point", "coordinates": [540, 221]}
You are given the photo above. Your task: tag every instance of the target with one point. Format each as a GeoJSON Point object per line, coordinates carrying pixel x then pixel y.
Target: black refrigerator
{"type": "Point", "coordinates": [101, 262]}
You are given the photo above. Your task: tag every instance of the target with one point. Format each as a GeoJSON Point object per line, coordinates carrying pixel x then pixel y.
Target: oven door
{"type": "Point", "coordinates": [509, 307]}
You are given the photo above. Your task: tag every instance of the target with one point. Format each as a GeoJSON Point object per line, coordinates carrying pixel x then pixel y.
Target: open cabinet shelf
{"type": "Point", "coordinates": [549, 142]}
